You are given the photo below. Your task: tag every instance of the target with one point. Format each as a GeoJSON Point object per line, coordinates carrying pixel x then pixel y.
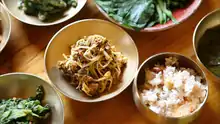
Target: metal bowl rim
{"type": "Point", "coordinates": [45, 82]}
{"type": "Point", "coordinates": [90, 101]}
{"type": "Point", "coordinates": [9, 27]}
{"type": "Point", "coordinates": [135, 85]}
{"type": "Point", "coordinates": [194, 40]}
{"type": "Point", "coordinates": [42, 25]}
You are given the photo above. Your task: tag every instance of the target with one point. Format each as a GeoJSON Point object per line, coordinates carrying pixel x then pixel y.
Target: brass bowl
{"type": "Point", "coordinates": [63, 39]}
{"type": "Point", "coordinates": [209, 21]}
{"type": "Point", "coordinates": [5, 27]}
{"type": "Point", "coordinates": [21, 85]}
{"type": "Point", "coordinates": [140, 79]}
{"type": "Point", "coordinates": [12, 6]}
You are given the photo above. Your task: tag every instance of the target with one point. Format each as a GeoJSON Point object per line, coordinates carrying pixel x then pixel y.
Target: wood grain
{"type": "Point", "coordinates": [25, 53]}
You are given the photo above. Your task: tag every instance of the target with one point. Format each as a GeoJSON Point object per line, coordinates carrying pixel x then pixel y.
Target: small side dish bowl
{"type": "Point", "coordinates": [180, 15]}
{"type": "Point", "coordinates": [5, 27]}
{"type": "Point", "coordinates": [21, 85]}
{"type": "Point", "coordinates": [210, 21]}
{"type": "Point", "coordinates": [12, 6]}
{"type": "Point", "coordinates": [140, 79]}
{"type": "Point", "coordinates": [67, 36]}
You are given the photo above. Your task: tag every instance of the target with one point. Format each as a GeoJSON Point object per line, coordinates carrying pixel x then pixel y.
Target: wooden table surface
{"type": "Point", "coordinates": [25, 53]}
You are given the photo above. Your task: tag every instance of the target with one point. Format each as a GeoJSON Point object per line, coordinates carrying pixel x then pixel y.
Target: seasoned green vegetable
{"type": "Point", "coordinates": [24, 111]}
{"type": "Point", "coordinates": [209, 50]}
{"type": "Point", "coordinates": [44, 9]}
{"type": "Point", "coordinates": [139, 14]}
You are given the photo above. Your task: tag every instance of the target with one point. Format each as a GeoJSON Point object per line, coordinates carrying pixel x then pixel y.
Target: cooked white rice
{"type": "Point", "coordinates": [173, 91]}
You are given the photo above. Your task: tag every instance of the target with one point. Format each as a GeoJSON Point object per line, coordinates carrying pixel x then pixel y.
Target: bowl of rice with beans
{"type": "Point", "coordinates": [170, 88]}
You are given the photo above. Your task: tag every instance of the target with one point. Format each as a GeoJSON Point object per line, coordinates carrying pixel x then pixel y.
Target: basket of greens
{"type": "Point", "coordinates": [147, 15]}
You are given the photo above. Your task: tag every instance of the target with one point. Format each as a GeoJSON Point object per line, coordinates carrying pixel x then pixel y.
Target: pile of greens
{"type": "Point", "coordinates": [139, 14]}
{"type": "Point", "coordinates": [24, 111]}
{"type": "Point", "coordinates": [45, 9]}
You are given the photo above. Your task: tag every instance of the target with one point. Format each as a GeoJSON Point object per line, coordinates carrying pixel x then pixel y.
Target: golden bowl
{"type": "Point", "coordinates": [12, 6]}
{"type": "Point", "coordinates": [63, 39]}
{"type": "Point", "coordinates": [140, 79]}
{"type": "Point", "coordinates": [211, 20]}
{"type": "Point", "coordinates": [21, 85]}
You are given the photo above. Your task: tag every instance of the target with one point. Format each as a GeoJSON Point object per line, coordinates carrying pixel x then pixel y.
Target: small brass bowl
{"type": "Point", "coordinates": [140, 79]}
{"type": "Point", "coordinates": [67, 36]}
{"type": "Point", "coordinates": [211, 20]}
{"type": "Point", "coordinates": [21, 85]}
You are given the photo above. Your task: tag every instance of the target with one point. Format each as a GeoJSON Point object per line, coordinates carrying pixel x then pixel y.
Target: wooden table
{"type": "Point", "coordinates": [25, 53]}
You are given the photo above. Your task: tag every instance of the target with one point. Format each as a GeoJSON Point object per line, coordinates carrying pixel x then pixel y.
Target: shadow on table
{"type": "Point", "coordinates": [118, 110]}
{"type": "Point", "coordinates": [208, 116]}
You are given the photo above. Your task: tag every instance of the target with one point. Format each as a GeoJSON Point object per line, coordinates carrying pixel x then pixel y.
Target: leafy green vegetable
{"type": "Point", "coordinates": [139, 14]}
{"type": "Point", "coordinates": [44, 9]}
{"type": "Point", "coordinates": [24, 111]}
